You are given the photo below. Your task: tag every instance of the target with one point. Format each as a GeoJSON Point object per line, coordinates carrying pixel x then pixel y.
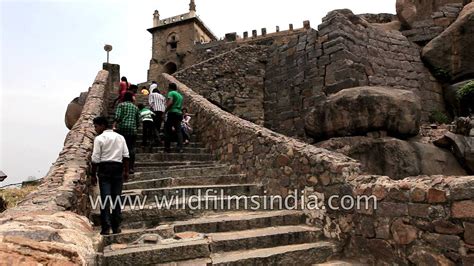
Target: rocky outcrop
{"type": "Point", "coordinates": [450, 54]}
{"type": "Point", "coordinates": [74, 109]}
{"type": "Point", "coordinates": [395, 158]}
{"type": "Point", "coordinates": [453, 103]}
{"type": "Point", "coordinates": [356, 111]}
{"type": "Point", "coordinates": [411, 11]}
{"type": "Point", "coordinates": [462, 147]}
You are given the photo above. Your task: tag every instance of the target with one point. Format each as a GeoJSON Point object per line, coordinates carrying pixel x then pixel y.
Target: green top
{"type": "Point", "coordinates": [177, 102]}
{"type": "Point", "coordinates": [128, 116]}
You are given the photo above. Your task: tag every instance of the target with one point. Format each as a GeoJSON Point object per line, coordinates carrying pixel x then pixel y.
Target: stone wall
{"type": "Point", "coordinates": [233, 81]}
{"type": "Point", "coordinates": [49, 226]}
{"type": "Point", "coordinates": [280, 163]}
{"type": "Point", "coordinates": [425, 29]}
{"type": "Point", "coordinates": [346, 52]}
{"type": "Point", "coordinates": [419, 220]}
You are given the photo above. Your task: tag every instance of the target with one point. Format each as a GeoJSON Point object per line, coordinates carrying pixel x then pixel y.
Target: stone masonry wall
{"type": "Point", "coordinates": [233, 81]}
{"type": "Point", "coordinates": [281, 163]}
{"type": "Point", "coordinates": [423, 31]}
{"type": "Point", "coordinates": [357, 54]}
{"type": "Point", "coordinates": [49, 226]}
{"type": "Point", "coordinates": [346, 52]}
{"type": "Point", "coordinates": [425, 220]}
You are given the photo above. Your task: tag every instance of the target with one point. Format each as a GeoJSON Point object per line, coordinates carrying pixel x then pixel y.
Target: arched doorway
{"type": "Point", "coordinates": [170, 68]}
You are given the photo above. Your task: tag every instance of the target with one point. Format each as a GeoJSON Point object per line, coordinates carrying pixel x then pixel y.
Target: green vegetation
{"type": "Point", "coordinates": [442, 74]}
{"type": "Point", "coordinates": [439, 118]}
{"type": "Point", "coordinates": [466, 98]}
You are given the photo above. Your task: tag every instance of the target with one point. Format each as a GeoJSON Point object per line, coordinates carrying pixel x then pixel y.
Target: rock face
{"type": "Point", "coordinates": [357, 111]}
{"type": "Point", "coordinates": [450, 53]}
{"type": "Point", "coordinates": [74, 109]}
{"type": "Point", "coordinates": [410, 11]}
{"type": "Point", "coordinates": [462, 147]}
{"type": "Point", "coordinates": [395, 158]}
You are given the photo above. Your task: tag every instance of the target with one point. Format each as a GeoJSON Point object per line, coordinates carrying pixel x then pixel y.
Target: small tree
{"type": "Point", "coordinates": [466, 98]}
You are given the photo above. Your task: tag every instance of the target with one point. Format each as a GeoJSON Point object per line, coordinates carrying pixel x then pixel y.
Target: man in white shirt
{"type": "Point", "coordinates": [110, 162]}
{"type": "Point", "coordinates": [157, 104]}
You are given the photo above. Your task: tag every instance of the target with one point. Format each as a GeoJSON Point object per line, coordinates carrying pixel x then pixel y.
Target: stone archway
{"type": "Point", "coordinates": [170, 68]}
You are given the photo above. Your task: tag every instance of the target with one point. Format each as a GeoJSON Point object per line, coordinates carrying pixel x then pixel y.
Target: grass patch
{"type": "Point", "coordinates": [14, 195]}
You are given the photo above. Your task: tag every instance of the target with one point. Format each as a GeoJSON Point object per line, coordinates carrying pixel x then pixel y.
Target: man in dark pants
{"type": "Point", "coordinates": [157, 104]}
{"type": "Point", "coordinates": [174, 105]}
{"type": "Point", "coordinates": [110, 163]}
{"type": "Point", "coordinates": [127, 116]}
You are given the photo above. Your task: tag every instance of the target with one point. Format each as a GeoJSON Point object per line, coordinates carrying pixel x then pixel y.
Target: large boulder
{"type": "Point", "coordinates": [395, 158]}
{"type": "Point", "coordinates": [461, 146]}
{"type": "Point", "coordinates": [357, 111]}
{"type": "Point", "coordinates": [411, 11]}
{"type": "Point", "coordinates": [453, 103]}
{"type": "Point", "coordinates": [450, 54]}
{"type": "Point", "coordinates": [74, 110]}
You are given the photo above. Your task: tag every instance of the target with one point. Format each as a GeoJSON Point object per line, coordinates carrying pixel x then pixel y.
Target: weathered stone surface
{"type": "Point", "coordinates": [451, 52]}
{"type": "Point", "coordinates": [357, 111]}
{"type": "Point", "coordinates": [409, 11]}
{"type": "Point", "coordinates": [74, 109]}
{"type": "Point", "coordinates": [463, 209]}
{"type": "Point", "coordinates": [462, 148]}
{"type": "Point", "coordinates": [423, 256]}
{"type": "Point", "coordinates": [469, 233]}
{"type": "Point", "coordinates": [397, 158]}
{"type": "Point", "coordinates": [453, 105]}
{"type": "Point", "coordinates": [403, 234]}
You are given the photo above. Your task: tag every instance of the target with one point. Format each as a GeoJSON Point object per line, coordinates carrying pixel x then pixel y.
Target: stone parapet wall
{"type": "Point", "coordinates": [50, 225]}
{"type": "Point", "coordinates": [233, 81]}
{"type": "Point", "coordinates": [280, 163]}
{"type": "Point", "coordinates": [418, 220]}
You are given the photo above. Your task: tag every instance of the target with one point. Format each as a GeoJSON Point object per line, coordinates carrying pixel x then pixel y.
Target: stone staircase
{"type": "Point", "coordinates": [212, 235]}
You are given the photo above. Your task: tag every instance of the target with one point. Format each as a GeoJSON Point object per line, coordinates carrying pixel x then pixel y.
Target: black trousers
{"type": "Point", "coordinates": [173, 122]}
{"type": "Point", "coordinates": [158, 120]}
{"type": "Point", "coordinates": [148, 132]}
{"type": "Point", "coordinates": [131, 141]}
{"type": "Point", "coordinates": [110, 185]}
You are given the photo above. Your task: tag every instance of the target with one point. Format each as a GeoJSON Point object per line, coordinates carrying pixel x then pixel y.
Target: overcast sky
{"type": "Point", "coordinates": [52, 50]}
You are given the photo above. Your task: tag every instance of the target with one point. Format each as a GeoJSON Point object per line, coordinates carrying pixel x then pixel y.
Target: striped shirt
{"type": "Point", "coordinates": [157, 102]}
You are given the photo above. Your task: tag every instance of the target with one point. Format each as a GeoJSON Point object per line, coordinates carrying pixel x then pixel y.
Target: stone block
{"type": "Point", "coordinates": [469, 233]}
{"type": "Point", "coordinates": [463, 209]}
{"type": "Point", "coordinates": [391, 209]}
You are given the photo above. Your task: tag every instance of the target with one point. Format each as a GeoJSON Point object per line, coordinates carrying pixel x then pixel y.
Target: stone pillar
{"type": "Point", "coordinates": [291, 27]}
{"type": "Point", "coordinates": [277, 28]}
{"type": "Point", "coordinates": [156, 18]}
{"type": "Point", "coordinates": [114, 76]}
{"type": "Point", "coordinates": [246, 34]}
{"type": "Point", "coordinates": [231, 37]}
{"type": "Point", "coordinates": [254, 33]}
{"type": "Point", "coordinates": [306, 24]}
{"type": "Point", "coordinates": [192, 6]}
{"type": "Point", "coordinates": [264, 31]}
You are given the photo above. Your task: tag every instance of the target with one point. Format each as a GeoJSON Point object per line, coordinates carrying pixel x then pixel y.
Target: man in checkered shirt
{"type": "Point", "coordinates": [127, 120]}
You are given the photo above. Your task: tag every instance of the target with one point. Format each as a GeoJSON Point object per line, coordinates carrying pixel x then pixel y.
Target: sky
{"type": "Point", "coordinates": [51, 51]}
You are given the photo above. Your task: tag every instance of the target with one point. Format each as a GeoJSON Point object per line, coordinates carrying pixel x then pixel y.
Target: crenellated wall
{"type": "Point", "coordinates": [50, 226]}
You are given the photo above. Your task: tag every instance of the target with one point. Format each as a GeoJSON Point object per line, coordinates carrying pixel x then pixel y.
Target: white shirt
{"type": "Point", "coordinates": [109, 147]}
{"type": "Point", "coordinates": [157, 102]}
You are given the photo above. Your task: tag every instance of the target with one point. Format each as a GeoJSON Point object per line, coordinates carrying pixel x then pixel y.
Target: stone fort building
{"type": "Point", "coordinates": [353, 108]}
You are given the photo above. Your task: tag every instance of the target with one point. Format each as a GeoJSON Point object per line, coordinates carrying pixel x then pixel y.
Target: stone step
{"type": "Point", "coordinates": [342, 263]}
{"type": "Point", "coordinates": [147, 166]}
{"type": "Point", "coordinates": [162, 157]}
{"type": "Point", "coordinates": [146, 214]}
{"type": "Point", "coordinates": [187, 149]}
{"type": "Point", "coordinates": [186, 181]}
{"type": "Point", "coordinates": [234, 221]}
{"type": "Point", "coordinates": [263, 238]}
{"type": "Point", "coordinates": [172, 250]}
{"type": "Point", "coordinates": [150, 173]}
{"type": "Point", "coordinates": [192, 144]}
{"type": "Point", "coordinates": [200, 190]}
{"type": "Point", "coordinates": [299, 254]}
{"type": "Point", "coordinates": [200, 246]}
